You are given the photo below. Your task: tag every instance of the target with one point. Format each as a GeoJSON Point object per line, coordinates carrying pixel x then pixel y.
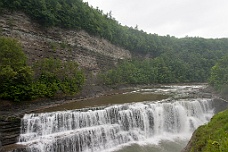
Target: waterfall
{"type": "Point", "coordinates": [96, 129]}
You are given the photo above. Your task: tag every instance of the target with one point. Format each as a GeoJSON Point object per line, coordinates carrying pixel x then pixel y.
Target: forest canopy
{"type": "Point", "coordinates": [79, 15]}
{"type": "Point", "coordinates": [219, 75]}
{"type": "Point", "coordinates": [170, 67]}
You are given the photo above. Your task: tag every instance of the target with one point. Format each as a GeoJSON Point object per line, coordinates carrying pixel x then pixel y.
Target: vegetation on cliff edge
{"type": "Point", "coordinates": [212, 137]}
{"type": "Point", "coordinates": [46, 78]}
{"type": "Point", "coordinates": [76, 14]}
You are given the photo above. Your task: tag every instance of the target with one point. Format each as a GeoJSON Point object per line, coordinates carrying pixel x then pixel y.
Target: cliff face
{"type": "Point", "coordinates": [9, 130]}
{"type": "Point", "coordinates": [92, 53]}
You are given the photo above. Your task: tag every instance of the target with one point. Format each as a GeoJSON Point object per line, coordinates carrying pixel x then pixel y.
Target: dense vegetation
{"type": "Point", "coordinates": [78, 15]}
{"type": "Point", "coordinates": [53, 75]}
{"type": "Point", "coordinates": [170, 67]}
{"type": "Point", "coordinates": [15, 75]}
{"type": "Point", "coordinates": [45, 78]}
{"type": "Point", "coordinates": [212, 137]}
{"type": "Point", "coordinates": [219, 75]}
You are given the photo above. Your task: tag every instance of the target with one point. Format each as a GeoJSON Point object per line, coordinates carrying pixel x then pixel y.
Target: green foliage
{"type": "Point", "coordinates": [219, 74]}
{"type": "Point", "coordinates": [212, 137]}
{"type": "Point", "coordinates": [15, 76]}
{"type": "Point", "coordinates": [52, 76]}
{"type": "Point", "coordinates": [78, 15]}
{"type": "Point", "coordinates": [136, 72]}
{"type": "Point", "coordinates": [170, 67]}
{"type": "Point", "coordinates": [11, 53]}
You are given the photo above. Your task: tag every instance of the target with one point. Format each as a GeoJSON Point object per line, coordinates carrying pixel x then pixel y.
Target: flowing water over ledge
{"type": "Point", "coordinates": [159, 125]}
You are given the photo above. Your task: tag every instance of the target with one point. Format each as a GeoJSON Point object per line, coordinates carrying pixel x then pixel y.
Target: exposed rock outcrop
{"type": "Point", "coordinates": [38, 42]}
{"type": "Point", "coordinates": [9, 130]}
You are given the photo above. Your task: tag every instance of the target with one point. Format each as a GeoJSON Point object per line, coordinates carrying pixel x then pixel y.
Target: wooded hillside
{"type": "Point", "coordinates": [165, 59]}
{"type": "Point", "coordinates": [78, 15]}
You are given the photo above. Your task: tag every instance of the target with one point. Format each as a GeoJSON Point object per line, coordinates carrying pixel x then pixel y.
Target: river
{"type": "Point", "coordinates": [158, 119]}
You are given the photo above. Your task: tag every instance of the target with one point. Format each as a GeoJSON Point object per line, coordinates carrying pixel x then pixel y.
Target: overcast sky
{"type": "Point", "coordinates": [180, 18]}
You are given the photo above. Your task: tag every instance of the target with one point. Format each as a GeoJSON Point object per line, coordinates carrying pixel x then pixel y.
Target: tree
{"type": "Point", "coordinates": [15, 76]}
{"type": "Point", "coordinates": [219, 74]}
{"type": "Point", "coordinates": [55, 76]}
{"type": "Point", "coordinates": [11, 53]}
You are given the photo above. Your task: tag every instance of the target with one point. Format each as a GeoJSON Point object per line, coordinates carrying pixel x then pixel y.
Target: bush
{"type": "Point", "coordinates": [15, 75]}
{"type": "Point", "coordinates": [55, 76]}
{"type": "Point", "coordinates": [19, 82]}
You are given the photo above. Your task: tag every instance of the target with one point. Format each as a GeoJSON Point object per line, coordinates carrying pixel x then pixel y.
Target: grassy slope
{"type": "Point", "coordinates": [212, 137]}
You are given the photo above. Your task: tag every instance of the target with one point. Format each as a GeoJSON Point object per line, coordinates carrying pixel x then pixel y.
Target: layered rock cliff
{"type": "Point", "coordinates": [92, 53]}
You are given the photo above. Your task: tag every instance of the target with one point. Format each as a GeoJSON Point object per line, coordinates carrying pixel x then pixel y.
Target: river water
{"type": "Point", "coordinates": [143, 120]}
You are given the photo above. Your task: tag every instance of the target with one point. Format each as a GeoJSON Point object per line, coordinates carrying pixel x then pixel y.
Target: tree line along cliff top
{"type": "Point", "coordinates": [76, 14]}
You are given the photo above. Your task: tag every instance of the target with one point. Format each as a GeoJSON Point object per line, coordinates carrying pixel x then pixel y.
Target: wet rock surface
{"type": "Point", "coordinates": [9, 130]}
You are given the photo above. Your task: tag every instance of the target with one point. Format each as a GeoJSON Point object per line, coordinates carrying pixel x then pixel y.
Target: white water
{"type": "Point", "coordinates": [106, 128]}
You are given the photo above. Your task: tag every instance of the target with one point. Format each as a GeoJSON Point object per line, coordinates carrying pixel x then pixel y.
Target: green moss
{"type": "Point", "coordinates": [212, 137]}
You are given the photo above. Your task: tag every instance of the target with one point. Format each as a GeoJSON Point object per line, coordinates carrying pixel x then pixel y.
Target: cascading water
{"type": "Point", "coordinates": [102, 128]}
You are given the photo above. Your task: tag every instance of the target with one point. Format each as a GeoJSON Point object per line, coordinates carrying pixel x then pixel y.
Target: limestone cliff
{"type": "Point", "coordinates": [92, 53]}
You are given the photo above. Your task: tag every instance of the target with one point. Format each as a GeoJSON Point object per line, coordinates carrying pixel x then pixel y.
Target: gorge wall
{"type": "Point", "coordinates": [93, 54]}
